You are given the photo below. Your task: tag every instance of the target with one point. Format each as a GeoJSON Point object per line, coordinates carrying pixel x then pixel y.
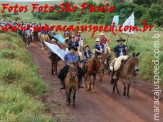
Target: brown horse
{"type": "Point", "coordinates": [71, 83]}
{"type": "Point", "coordinates": [43, 38]}
{"type": "Point", "coordinates": [92, 67]}
{"type": "Point", "coordinates": [54, 62]}
{"type": "Point", "coordinates": [127, 71]}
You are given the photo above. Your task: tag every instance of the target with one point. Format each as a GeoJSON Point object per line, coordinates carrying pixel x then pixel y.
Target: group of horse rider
{"type": "Point", "coordinates": [72, 42]}
{"type": "Point", "coordinates": [99, 48]}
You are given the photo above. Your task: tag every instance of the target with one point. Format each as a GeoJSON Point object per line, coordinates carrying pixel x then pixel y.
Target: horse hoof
{"type": "Point", "coordinates": [93, 91]}
{"type": "Point", "coordinates": [88, 89]}
{"type": "Point", "coordinates": [68, 104]}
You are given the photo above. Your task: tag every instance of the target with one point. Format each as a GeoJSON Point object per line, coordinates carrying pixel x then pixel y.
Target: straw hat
{"type": "Point", "coordinates": [97, 40]}
{"type": "Point", "coordinates": [53, 40]}
{"type": "Point", "coordinates": [102, 34]}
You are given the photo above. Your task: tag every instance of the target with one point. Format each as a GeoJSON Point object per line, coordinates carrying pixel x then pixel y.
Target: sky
{"type": "Point", "coordinates": [27, 0]}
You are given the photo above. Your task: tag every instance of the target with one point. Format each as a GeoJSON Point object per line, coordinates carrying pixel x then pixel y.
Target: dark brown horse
{"type": "Point", "coordinates": [127, 71]}
{"type": "Point", "coordinates": [71, 82]}
{"type": "Point", "coordinates": [92, 67]}
{"type": "Point", "coordinates": [54, 62]}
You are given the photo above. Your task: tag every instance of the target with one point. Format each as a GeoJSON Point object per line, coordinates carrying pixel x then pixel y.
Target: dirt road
{"type": "Point", "coordinates": [101, 106]}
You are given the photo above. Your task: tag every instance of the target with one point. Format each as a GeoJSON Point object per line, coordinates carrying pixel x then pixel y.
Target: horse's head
{"type": "Point", "coordinates": [100, 63]}
{"type": "Point", "coordinates": [73, 70]}
{"type": "Point", "coordinates": [135, 62]}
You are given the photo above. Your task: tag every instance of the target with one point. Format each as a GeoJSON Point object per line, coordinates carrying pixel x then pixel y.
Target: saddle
{"type": "Point", "coordinates": [117, 62]}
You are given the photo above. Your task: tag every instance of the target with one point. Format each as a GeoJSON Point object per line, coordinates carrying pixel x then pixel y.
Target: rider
{"type": "Point", "coordinates": [73, 58]}
{"type": "Point", "coordinates": [99, 47]}
{"type": "Point", "coordinates": [106, 43]}
{"type": "Point", "coordinates": [78, 37]}
{"type": "Point", "coordinates": [119, 50]}
{"type": "Point", "coordinates": [87, 54]}
{"type": "Point", "coordinates": [103, 39]}
{"type": "Point", "coordinates": [73, 42]}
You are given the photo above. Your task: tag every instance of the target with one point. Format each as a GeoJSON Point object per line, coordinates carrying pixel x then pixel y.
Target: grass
{"type": "Point", "coordinates": [20, 85]}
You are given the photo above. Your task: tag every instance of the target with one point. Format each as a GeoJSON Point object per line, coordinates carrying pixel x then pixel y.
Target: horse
{"type": "Point", "coordinates": [54, 62]}
{"type": "Point", "coordinates": [93, 66]}
{"type": "Point", "coordinates": [43, 38]}
{"type": "Point", "coordinates": [27, 38]}
{"type": "Point", "coordinates": [71, 83]}
{"type": "Point", "coordinates": [128, 69]}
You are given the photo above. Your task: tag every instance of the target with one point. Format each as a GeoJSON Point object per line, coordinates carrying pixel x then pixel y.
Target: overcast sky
{"type": "Point", "coordinates": [28, 0]}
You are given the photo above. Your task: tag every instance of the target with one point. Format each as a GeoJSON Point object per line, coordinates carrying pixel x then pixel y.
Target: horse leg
{"type": "Point", "coordinates": [124, 85]}
{"type": "Point", "coordinates": [74, 97]}
{"type": "Point", "coordinates": [85, 81]}
{"type": "Point", "coordinates": [69, 97]}
{"type": "Point", "coordinates": [94, 78]}
{"type": "Point", "coordinates": [128, 88]}
{"type": "Point", "coordinates": [52, 67]}
{"type": "Point", "coordinates": [113, 87]}
{"type": "Point", "coordinates": [56, 67]}
{"type": "Point", "coordinates": [117, 88]}
{"type": "Point", "coordinates": [89, 88]}
{"type": "Point", "coordinates": [42, 45]}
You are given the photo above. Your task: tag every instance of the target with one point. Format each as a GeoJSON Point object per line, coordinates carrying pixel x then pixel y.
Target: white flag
{"type": "Point", "coordinates": [116, 20]}
{"type": "Point", "coordinates": [57, 50]}
{"type": "Point", "coordinates": [130, 22]}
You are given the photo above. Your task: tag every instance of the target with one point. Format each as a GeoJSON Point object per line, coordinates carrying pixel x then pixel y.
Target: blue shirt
{"type": "Point", "coordinates": [120, 51]}
{"type": "Point", "coordinates": [73, 58]}
{"type": "Point", "coordinates": [75, 44]}
{"type": "Point", "coordinates": [87, 54]}
{"type": "Point", "coordinates": [100, 48]}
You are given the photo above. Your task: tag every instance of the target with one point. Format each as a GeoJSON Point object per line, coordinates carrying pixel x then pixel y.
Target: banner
{"type": "Point", "coordinates": [57, 50]}
{"type": "Point", "coordinates": [116, 20]}
{"type": "Point", "coordinates": [130, 22]}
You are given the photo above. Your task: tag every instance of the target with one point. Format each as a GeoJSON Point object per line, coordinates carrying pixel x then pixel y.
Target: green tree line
{"type": "Point", "coordinates": [149, 10]}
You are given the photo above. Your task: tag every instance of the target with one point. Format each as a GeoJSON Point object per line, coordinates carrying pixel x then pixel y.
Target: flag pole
{"type": "Point", "coordinates": [127, 39]}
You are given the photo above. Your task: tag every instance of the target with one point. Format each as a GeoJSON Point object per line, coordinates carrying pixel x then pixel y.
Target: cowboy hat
{"type": "Point", "coordinates": [72, 47]}
{"type": "Point", "coordinates": [79, 31]}
{"type": "Point", "coordinates": [121, 39]}
{"type": "Point", "coordinates": [102, 34]}
{"type": "Point", "coordinates": [86, 46]}
{"type": "Point", "coordinates": [97, 40]}
{"type": "Point", "coordinates": [53, 40]}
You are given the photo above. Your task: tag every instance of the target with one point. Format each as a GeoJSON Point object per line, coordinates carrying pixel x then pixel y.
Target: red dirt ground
{"type": "Point", "coordinates": [101, 106]}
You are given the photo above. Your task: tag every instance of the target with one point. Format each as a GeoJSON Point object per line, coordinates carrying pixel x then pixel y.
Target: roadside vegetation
{"type": "Point", "coordinates": [20, 86]}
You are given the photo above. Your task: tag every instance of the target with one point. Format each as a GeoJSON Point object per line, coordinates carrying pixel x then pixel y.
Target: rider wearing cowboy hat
{"type": "Point", "coordinates": [103, 39]}
{"type": "Point", "coordinates": [73, 42]}
{"type": "Point", "coordinates": [99, 47]}
{"type": "Point", "coordinates": [120, 49]}
{"type": "Point", "coordinates": [78, 37]}
{"type": "Point", "coordinates": [73, 58]}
